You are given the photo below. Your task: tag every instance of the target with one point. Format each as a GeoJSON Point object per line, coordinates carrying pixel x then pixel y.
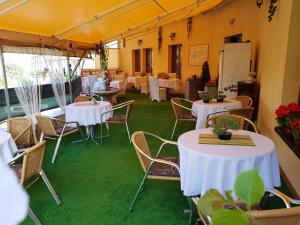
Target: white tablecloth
{"type": "Point", "coordinates": [204, 166]}
{"type": "Point", "coordinates": [137, 80]}
{"type": "Point", "coordinates": [85, 113]}
{"type": "Point", "coordinates": [201, 110]}
{"type": "Point", "coordinates": [169, 83]}
{"type": "Point", "coordinates": [7, 147]}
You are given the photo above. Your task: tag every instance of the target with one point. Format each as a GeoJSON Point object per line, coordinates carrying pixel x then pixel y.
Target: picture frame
{"type": "Point", "coordinates": [198, 54]}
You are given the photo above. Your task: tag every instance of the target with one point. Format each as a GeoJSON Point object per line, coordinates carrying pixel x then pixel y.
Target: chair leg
{"type": "Point", "coordinates": [101, 134]}
{"type": "Point", "coordinates": [107, 128]}
{"type": "Point", "coordinates": [34, 217]}
{"type": "Point", "coordinates": [174, 130]}
{"type": "Point", "coordinates": [140, 188]}
{"type": "Point", "coordinates": [50, 187]}
{"type": "Point", "coordinates": [128, 132]}
{"type": "Point", "coordinates": [56, 148]}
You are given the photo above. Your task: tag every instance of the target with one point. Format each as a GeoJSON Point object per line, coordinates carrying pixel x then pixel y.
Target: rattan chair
{"type": "Point", "coordinates": [161, 168]}
{"type": "Point", "coordinates": [182, 112]}
{"type": "Point", "coordinates": [284, 216]}
{"type": "Point", "coordinates": [243, 121]}
{"type": "Point", "coordinates": [82, 98]}
{"type": "Point", "coordinates": [56, 129]}
{"type": "Point", "coordinates": [246, 101]}
{"type": "Point", "coordinates": [117, 118]}
{"type": "Point", "coordinates": [30, 168]}
{"type": "Point", "coordinates": [20, 129]}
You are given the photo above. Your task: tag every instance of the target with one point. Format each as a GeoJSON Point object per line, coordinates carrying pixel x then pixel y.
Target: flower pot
{"type": "Point", "coordinates": [220, 99]}
{"type": "Point", "coordinates": [205, 101]}
{"type": "Point", "coordinates": [225, 135]}
{"type": "Point", "coordinates": [296, 140]}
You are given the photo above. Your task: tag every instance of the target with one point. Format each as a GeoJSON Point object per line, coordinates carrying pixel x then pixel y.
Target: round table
{"type": "Point", "coordinates": [8, 147]}
{"type": "Point", "coordinates": [201, 110]}
{"type": "Point", "coordinates": [88, 114]}
{"type": "Point", "coordinates": [207, 166]}
{"type": "Point", "coordinates": [107, 95]}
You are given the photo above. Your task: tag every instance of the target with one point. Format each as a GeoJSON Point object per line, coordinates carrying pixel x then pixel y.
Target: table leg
{"type": "Point", "coordinates": [90, 135]}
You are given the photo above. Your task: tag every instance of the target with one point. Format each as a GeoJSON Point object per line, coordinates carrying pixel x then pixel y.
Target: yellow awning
{"type": "Point", "coordinates": [93, 20]}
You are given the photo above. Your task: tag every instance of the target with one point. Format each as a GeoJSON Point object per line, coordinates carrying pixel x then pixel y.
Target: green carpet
{"type": "Point", "coordinates": [97, 184]}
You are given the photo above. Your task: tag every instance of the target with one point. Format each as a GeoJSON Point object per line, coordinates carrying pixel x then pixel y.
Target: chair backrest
{"type": "Point", "coordinates": [245, 111]}
{"type": "Point", "coordinates": [92, 80]}
{"type": "Point", "coordinates": [179, 106]}
{"type": "Point", "coordinates": [32, 161]}
{"type": "Point", "coordinates": [129, 109]}
{"type": "Point", "coordinates": [153, 86]}
{"type": "Point", "coordinates": [243, 121]}
{"type": "Point", "coordinates": [46, 125]}
{"type": "Point", "coordinates": [119, 77]}
{"type": "Point", "coordinates": [82, 98]}
{"type": "Point", "coordinates": [20, 129]}
{"type": "Point", "coordinates": [285, 216]}
{"type": "Point", "coordinates": [142, 149]}
{"type": "Point", "coordinates": [138, 74]}
{"type": "Point", "coordinates": [245, 100]}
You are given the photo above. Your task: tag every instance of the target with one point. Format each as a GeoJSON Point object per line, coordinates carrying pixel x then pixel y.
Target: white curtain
{"type": "Point", "coordinates": [54, 67]}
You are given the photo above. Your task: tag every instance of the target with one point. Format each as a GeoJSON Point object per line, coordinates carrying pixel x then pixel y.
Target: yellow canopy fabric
{"type": "Point", "coordinates": [90, 21]}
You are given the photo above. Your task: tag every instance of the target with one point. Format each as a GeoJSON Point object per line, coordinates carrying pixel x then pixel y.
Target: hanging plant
{"type": "Point", "coordinates": [103, 54]}
{"type": "Point", "coordinates": [272, 9]}
{"type": "Point", "coordinates": [159, 38]}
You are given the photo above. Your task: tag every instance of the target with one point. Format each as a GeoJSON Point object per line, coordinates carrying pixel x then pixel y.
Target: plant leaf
{"type": "Point", "coordinates": [249, 187]}
{"type": "Point", "coordinates": [229, 197]}
{"type": "Point", "coordinates": [211, 201]}
{"type": "Point", "coordinates": [229, 217]}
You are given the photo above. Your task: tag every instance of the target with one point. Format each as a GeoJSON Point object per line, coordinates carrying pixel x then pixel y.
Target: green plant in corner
{"type": "Point", "coordinates": [223, 210]}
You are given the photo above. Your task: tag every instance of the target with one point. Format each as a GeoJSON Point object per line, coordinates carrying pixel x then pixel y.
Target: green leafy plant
{"type": "Point", "coordinates": [221, 95]}
{"type": "Point", "coordinates": [223, 124]}
{"type": "Point", "coordinates": [223, 210]}
{"type": "Point", "coordinates": [205, 96]}
{"type": "Point", "coordinates": [103, 54]}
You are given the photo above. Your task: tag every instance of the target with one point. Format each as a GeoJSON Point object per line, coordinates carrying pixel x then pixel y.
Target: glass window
{"type": "Point", "coordinates": [112, 44]}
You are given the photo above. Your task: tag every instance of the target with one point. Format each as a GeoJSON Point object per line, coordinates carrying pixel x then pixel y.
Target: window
{"type": "Point", "coordinates": [112, 44]}
{"type": "Point", "coordinates": [137, 60]}
{"type": "Point", "coordinates": [233, 38]}
{"type": "Point", "coordinates": [175, 62]}
{"type": "Point", "coordinates": [149, 60]}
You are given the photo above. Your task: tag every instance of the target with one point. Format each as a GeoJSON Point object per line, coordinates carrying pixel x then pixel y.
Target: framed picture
{"type": "Point", "coordinates": [198, 55]}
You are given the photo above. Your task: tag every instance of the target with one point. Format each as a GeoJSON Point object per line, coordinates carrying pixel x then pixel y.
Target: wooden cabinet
{"type": "Point", "coordinates": [251, 89]}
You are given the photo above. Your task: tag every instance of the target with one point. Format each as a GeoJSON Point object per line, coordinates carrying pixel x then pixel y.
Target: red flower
{"type": "Point", "coordinates": [293, 107]}
{"type": "Point", "coordinates": [295, 125]}
{"type": "Point", "coordinates": [282, 111]}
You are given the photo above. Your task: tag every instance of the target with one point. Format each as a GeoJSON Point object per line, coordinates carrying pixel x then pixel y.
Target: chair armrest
{"type": "Point", "coordinates": [16, 158]}
{"type": "Point", "coordinates": [65, 122]}
{"type": "Point", "coordinates": [286, 199]}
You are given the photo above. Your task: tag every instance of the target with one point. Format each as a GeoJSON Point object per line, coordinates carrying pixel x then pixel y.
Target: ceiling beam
{"type": "Point", "coordinates": [10, 8]}
{"type": "Point", "coordinates": [3, 2]}
{"type": "Point", "coordinates": [160, 6]}
{"type": "Point", "coordinates": [106, 19]}
{"type": "Point", "coordinates": [95, 18]}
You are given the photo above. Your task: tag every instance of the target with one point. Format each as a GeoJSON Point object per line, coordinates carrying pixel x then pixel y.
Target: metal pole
{"type": "Point", "coordinates": [69, 76]}
{"type": "Point", "coordinates": [13, 7]}
{"type": "Point", "coordinates": [78, 63]}
{"type": "Point", "coordinates": [5, 82]}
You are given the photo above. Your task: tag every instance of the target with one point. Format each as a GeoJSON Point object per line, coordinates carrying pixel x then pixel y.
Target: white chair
{"type": "Point", "coordinates": [156, 93]}
{"type": "Point", "coordinates": [92, 80]}
{"type": "Point", "coordinates": [99, 85]}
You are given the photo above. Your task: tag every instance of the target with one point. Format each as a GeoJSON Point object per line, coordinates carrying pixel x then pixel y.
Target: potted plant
{"type": "Point", "coordinates": [221, 96]}
{"type": "Point", "coordinates": [288, 117]}
{"type": "Point", "coordinates": [222, 125]}
{"type": "Point", "coordinates": [211, 88]}
{"type": "Point", "coordinates": [205, 97]}
{"type": "Point", "coordinates": [248, 187]}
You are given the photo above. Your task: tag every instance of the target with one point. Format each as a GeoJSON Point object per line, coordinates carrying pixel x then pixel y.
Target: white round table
{"type": "Point", "coordinates": [7, 147]}
{"type": "Point", "coordinates": [201, 110]}
{"type": "Point", "coordinates": [207, 166]}
{"type": "Point", "coordinates": [86, 113]}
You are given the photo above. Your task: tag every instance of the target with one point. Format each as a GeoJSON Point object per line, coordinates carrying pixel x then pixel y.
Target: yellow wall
{"type": "Point", "coordinates": [113, 59]}
{"type": "Point", "coordinates": [275, 56]}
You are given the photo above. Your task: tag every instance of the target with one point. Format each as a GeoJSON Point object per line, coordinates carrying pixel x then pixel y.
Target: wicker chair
{"type": "Point", "coordinates": [245, 100]}
{"type": "Point", "coordinates": [165, 168]}
{"type": "Point", "coordinates": [284, 216]}
{"type": "Point", "coordinates": [56, 129]}
{"type": "Point", "coordinates": [20, 129]}
{"type": "Point", "coordinates": [243, 121]}
{"type": "Point", "coordinates": [82, 98]}
{"type": "Point", "coordinates": [30, 167]}
{"type": "Point", "coordinates": [182, 112]}
{"type": "Point", "coordinates": [117, 118]}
